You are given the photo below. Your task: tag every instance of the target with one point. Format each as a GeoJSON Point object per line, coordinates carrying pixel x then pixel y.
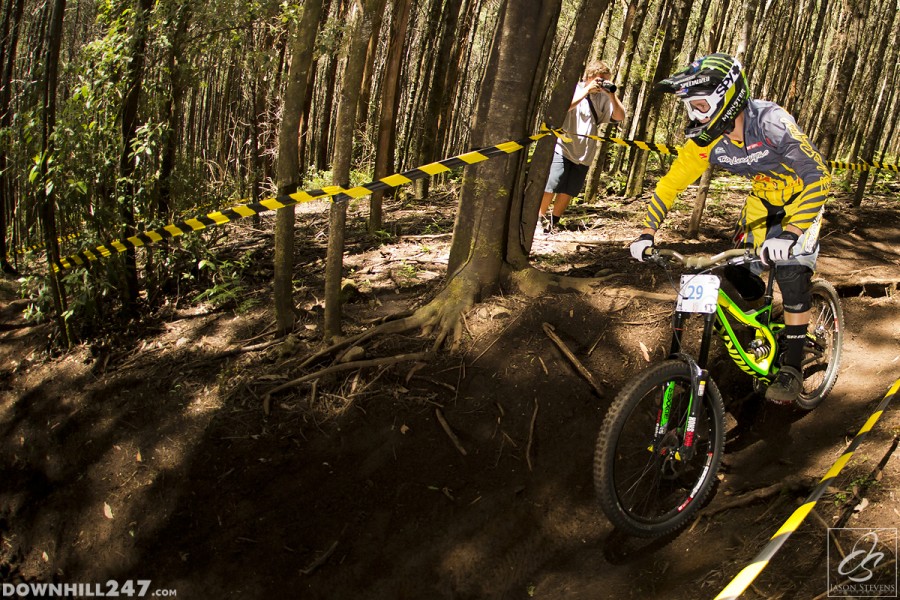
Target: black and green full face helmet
{"type": "Point", "coordinates": [719, 80]}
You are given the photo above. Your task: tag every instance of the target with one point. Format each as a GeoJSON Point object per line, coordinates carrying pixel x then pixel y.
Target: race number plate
{"type": "Point", "coordinates": [699, 294]}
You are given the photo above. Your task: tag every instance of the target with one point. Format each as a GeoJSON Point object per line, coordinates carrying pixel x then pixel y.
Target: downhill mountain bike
{"type": "Point", "coordinates": [661, 443]}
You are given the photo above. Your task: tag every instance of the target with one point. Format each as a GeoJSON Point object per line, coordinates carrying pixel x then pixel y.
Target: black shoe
{"type": "Point", "coordinates": [552, 225]}
{"type": "Point", "coordinates": [786, 387]}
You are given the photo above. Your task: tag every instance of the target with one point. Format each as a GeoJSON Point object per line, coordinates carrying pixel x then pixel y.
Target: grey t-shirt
{"type": "Point", "coordinates": [581, 120]}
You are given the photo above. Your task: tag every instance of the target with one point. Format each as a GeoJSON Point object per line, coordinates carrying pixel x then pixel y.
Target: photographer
{"type": "Point", "coordinates": [593, 104]}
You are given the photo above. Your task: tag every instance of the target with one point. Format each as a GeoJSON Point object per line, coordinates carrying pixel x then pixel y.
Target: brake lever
{"type": "Point", "coordinates": [657, 259]}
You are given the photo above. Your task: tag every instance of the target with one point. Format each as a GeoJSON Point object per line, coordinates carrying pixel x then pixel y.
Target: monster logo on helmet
{"type": "Point", "coordinates": [719, 79]}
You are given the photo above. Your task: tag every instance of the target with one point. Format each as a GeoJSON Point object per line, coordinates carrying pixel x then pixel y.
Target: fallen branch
{"type": "Point", "coordinates": [631, 294]}
{"type": "Point", "coordinates": [235, 351]}
{"type": "Point", "coordinates": [497, 338]}
{"type": "Point", "coordinates": [358, 364]}
{"type": "Point", "coordinates": [548, 329]}
{"type": "Point", "coordinates": [790, 484]}
{"type": "Point", "coordinates": [531, 436]}
{"type": "Point", "coordinates": [319, 561]}
{"type": "Point", "coordinates": [449, 432]}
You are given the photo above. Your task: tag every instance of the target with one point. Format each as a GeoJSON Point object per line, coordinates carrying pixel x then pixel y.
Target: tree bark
{"type": "Point", "coordinates": [390, 102]}
{"type": "Point", "coordinates": [12, 19]}
{"type": "Point", "coordinates": [360, 24]}
{"type": "Point", "coordinates": [880, 110]}
{"type": "Point", "coordinates": [302, 41]}
{"type": "Point", "coordinates": [126, 187]}
{"type": "Point", "coordinates": [438, 94]}
{"type": "Point", "coordinates": [524, 214]}
{"type": "Point", "coordinates": [674, 39]}
{"type": "Point", "coordinates": [845, 54]}
{"type": "Point", "coordinates": [46, 193]}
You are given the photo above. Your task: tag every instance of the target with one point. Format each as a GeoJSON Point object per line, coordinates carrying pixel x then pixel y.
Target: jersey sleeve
{"type": "Point", "coordinates": [690, 164]}
{"type": "Point", "coordinates": [807, 163]}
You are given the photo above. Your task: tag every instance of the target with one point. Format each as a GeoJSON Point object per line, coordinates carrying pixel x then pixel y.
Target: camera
{"type": "Point", "coordinates": [609, 86]}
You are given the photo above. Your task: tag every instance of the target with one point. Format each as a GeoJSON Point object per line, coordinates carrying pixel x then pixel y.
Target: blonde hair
{"type": "Point", "coordinates": [597, 69]}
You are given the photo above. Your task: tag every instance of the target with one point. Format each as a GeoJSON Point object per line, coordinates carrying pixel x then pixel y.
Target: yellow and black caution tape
{"type": "Point", "coordinates": [335, 193]}
{"type": "Point", "coordinates": [836, 164]}
{"type": "Point", "coordinates": [39, 246]}
{"type": "Point", "coordinates": [339, 194]}
{"type": "Point", "coordinates": [743, 579]}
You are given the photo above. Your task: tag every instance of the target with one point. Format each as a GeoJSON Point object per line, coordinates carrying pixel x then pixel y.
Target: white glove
{"type": "Point", "coordinates": [644, 241]}
{"type": "Point", "coordinates": [778, 249]}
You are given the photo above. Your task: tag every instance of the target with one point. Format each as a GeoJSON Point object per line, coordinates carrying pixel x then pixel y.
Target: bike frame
{"type": "Point", "coordinates": [760, 368]}
{"type": "Point", "coordinates": [758, 320]}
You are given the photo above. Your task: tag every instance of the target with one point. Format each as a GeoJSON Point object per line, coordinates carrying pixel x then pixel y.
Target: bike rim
{"type": "Point", "coordinates": [653, 481]}
{"type": "Point", "coordinates": [819, 362]}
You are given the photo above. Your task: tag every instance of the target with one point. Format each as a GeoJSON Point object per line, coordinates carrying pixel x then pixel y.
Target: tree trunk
{"type": "Point", "coordinates": [847, 53]}
{"type": "Point", "coordinates": [390, 101]}
{"type": "Point", "coordinates": [672, 43]}
{"type": "Point", "coordinates": [693, 231]}
{"type": "Point", "coordinates": [126, 187]}
{"type": "Point", "coordinates": [46, 193]}
{"type": "Point", "coordinates": [438, 94]}
{"type": "Point", "coordinates": [360, 25]}
{"type": "Point", "coordinates": [524, 214]}
{"type": "Point", "coordinates": [519, 51]}
{"type": "Point", "coordinates": [302, 42]}
{"type": "Point", "coordinates": [365, 92]}
{"type": "Point", "coordinates": [880, 110]}
{"type": "Point", "coordinates": [172, 113]}
{"type": "Point", "coordinates": [12, 19]}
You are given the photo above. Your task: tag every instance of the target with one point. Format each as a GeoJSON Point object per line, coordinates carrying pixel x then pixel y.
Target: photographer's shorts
{"type": "Point", "coordinates": [565, 176]}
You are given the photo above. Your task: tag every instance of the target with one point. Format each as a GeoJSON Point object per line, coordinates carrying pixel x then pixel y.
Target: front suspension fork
{"type": "Point", "coordinates": [699, 379]}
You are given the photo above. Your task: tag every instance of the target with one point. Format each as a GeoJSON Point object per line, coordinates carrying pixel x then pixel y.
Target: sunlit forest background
{"type": "Point", "coordinates": [119, 116]}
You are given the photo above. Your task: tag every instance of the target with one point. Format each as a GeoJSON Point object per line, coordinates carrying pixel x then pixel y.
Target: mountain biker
{"type": "Point", "coordinates": [782, 215]}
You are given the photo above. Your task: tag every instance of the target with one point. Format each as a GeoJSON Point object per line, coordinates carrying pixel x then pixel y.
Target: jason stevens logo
{"type": "Point", "coordinates": [862, 563]}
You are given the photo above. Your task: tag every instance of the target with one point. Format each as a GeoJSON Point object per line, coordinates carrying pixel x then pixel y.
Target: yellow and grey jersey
{"type": "Point", "coordinates": [786, 169]}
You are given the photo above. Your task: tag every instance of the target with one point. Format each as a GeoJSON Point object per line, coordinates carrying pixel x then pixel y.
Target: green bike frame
{"type": "Point", "coordinates": [760, 367]}
{"type": "Point", "coordinates": [766, 332]}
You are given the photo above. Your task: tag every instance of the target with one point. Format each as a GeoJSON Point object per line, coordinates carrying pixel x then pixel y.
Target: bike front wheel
{"type": "Point", "coordinates": [822, 356]}
{"type": "Point", "coordinates": [647, 483]}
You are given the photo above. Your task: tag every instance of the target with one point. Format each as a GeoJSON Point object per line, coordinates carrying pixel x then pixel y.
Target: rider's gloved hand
{"type": "Point", "coordinates": [778, 249]}
{"type": "Point", "coordinates": [644, 241]}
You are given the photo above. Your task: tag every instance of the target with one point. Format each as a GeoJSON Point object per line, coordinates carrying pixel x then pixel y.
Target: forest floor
{"type": "Point", "coordinates": [151, 458]}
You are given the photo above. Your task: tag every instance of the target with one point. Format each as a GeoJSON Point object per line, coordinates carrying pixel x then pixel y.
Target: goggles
{"type": "Point", "coordinates": [694, 114]}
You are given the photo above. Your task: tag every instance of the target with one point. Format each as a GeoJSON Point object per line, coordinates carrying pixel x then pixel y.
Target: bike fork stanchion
{"type": "Point", "coordinates": [677, 331]}
{"type": "Point", "coordinates": [708, 322]}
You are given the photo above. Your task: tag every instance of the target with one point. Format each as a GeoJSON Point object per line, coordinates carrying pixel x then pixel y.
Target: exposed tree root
{"type": "Point", "coordinates": [358, 364]}
{"type": "Point", "coordinates": [632, 294]}
{"type": "Point", "coordinates": [531, 281]}
{"type": "Point", "coordinates": [443, 316]}
{"type": "Point", "coordinates": [791, 484]}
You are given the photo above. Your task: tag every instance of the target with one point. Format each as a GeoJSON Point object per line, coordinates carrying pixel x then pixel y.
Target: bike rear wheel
{"type": "Point", "coordinates": [645, 483]}
{"type": "Point", "coordinates": [822, 358]}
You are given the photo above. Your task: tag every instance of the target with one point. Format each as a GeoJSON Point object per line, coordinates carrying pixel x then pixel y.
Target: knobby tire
{"type": "Point", "coordinates": [643, 489]}
{"type": "Point", "coordinates": [820, 367]}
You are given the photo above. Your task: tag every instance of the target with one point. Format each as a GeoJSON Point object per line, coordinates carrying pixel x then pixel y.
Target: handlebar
{"type": "Point", "coordinates": [734, 256]}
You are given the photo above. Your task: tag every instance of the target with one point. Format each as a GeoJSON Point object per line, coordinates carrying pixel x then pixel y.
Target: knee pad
{"type": "Point", "coordinates": [794, 283]}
